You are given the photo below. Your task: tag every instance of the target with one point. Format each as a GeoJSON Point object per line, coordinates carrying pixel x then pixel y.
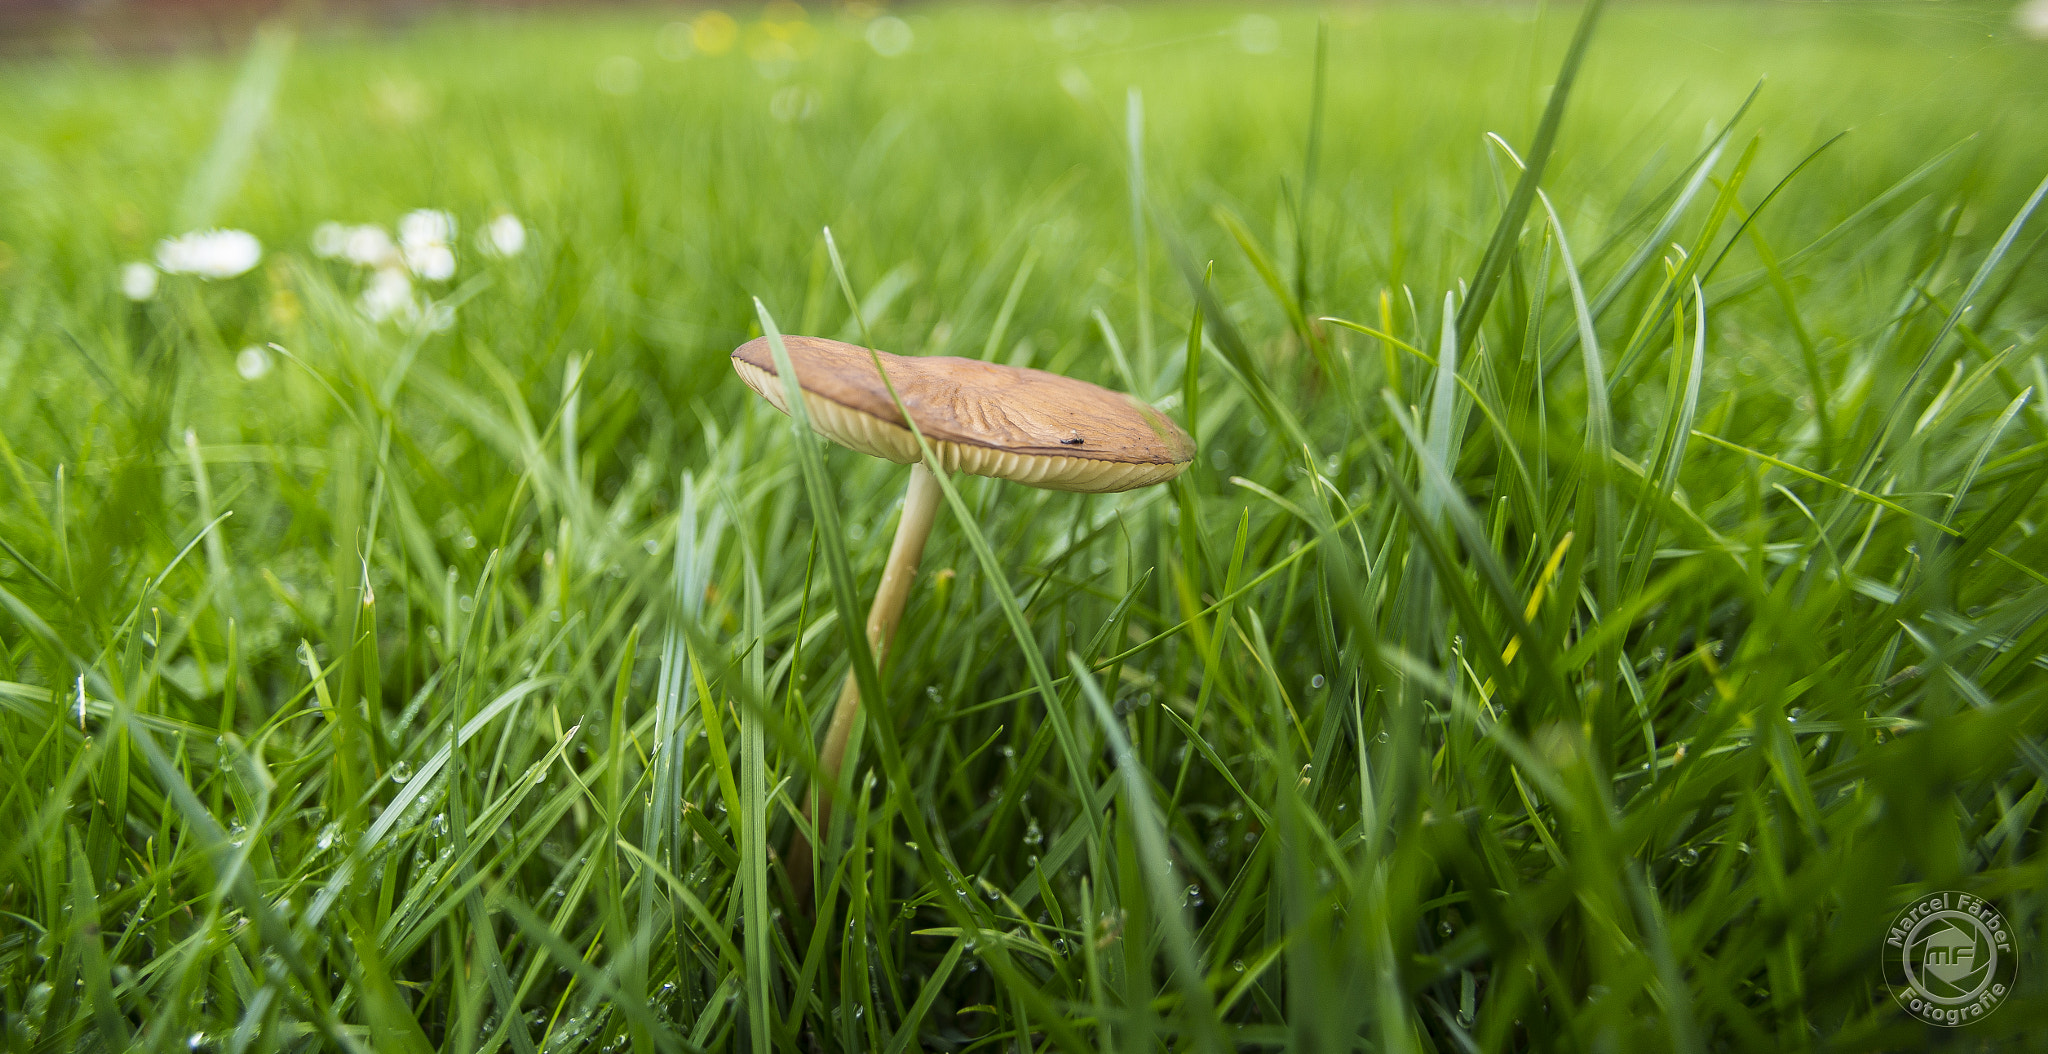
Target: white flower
{"type": "Point", "coordinates": [209, 254]}
{"type": "Point", "coordinates": [435, 263]}
{"type": "Point", "coordinates": [330, 240]}
{"type": "Point", "coordinates": [138, 281]}
{"type": "Point", "coordinates": [422, 227]}
{"type": "Point", "coordinates": [503, 236]}
{"type": "Point", "coordinates": [389, 294]}
{"type": "Point", "coordinates": [368, 246]}
{"type": "Point", "coordinates": [252, 363]}
{"type": "Point", "coordinates": [424, 238]}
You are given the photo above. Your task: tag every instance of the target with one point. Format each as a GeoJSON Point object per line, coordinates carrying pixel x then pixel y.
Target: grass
{"type": "Point", "coordinates": [1580, 631]}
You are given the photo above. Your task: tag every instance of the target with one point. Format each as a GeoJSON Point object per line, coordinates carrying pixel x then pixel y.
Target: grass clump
{"type": "Point", "coordinates": [1583, 628]}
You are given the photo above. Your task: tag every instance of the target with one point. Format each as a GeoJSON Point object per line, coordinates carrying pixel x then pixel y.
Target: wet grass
{"type": "Point", "coordinates": [1583, 629]}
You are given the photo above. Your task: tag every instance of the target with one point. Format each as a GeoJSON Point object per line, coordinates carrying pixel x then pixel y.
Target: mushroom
{"type": "Point", "coordinates": [981, 418]}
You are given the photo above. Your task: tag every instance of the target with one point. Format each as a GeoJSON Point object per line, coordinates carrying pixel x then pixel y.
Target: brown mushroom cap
{"type": "Point", "coordinates": [981, 418]}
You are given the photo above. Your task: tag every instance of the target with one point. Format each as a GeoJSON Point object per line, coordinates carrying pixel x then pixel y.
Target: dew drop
{"type": "Point", "coordinates": [401, 772]}
{"type": "Point", "coordinates": [1316, 681]}
{"type": "Point", "coordinates": [1237, 965]}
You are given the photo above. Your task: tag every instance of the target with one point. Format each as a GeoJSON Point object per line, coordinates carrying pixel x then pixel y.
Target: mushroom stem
{"type": "Point", "coordinates": [920, 508]}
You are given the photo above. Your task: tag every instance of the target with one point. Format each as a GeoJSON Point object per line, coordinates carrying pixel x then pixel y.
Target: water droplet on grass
{"type": "Point", "coordinates": [401, 772]}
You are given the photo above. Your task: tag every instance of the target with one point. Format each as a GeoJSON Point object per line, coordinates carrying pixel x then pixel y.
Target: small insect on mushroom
{"type": "Point", "coordinates": [981, 418]}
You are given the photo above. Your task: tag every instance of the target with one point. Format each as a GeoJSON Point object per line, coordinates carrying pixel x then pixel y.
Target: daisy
{"type": "Point", "coordinates": [209, 254]}
{"type": "Point", "coordinates": [138, 281]}
{"type": "Point", "coordinates": [389, 294]}
{"type": "Point", "coordinates": [503, 236]}
{"type": "Point", "coordinates": [368, 246]}
{"type": "Point", "coordinates": [435, 263]}
{"type": "Point", "coordinates": [424, 237]}
{"type": "Point", "coordinates": [330, 240]}
{"type": "Point", "coordinates": [425, 227]}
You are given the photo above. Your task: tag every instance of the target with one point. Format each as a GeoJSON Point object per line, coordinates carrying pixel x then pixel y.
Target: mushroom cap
{"type": "Point", "coordinates": [1010, 422]}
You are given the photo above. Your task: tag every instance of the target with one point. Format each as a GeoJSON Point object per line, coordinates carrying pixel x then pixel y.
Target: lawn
{"type": "Point", "coordinates": [1591, 616]}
